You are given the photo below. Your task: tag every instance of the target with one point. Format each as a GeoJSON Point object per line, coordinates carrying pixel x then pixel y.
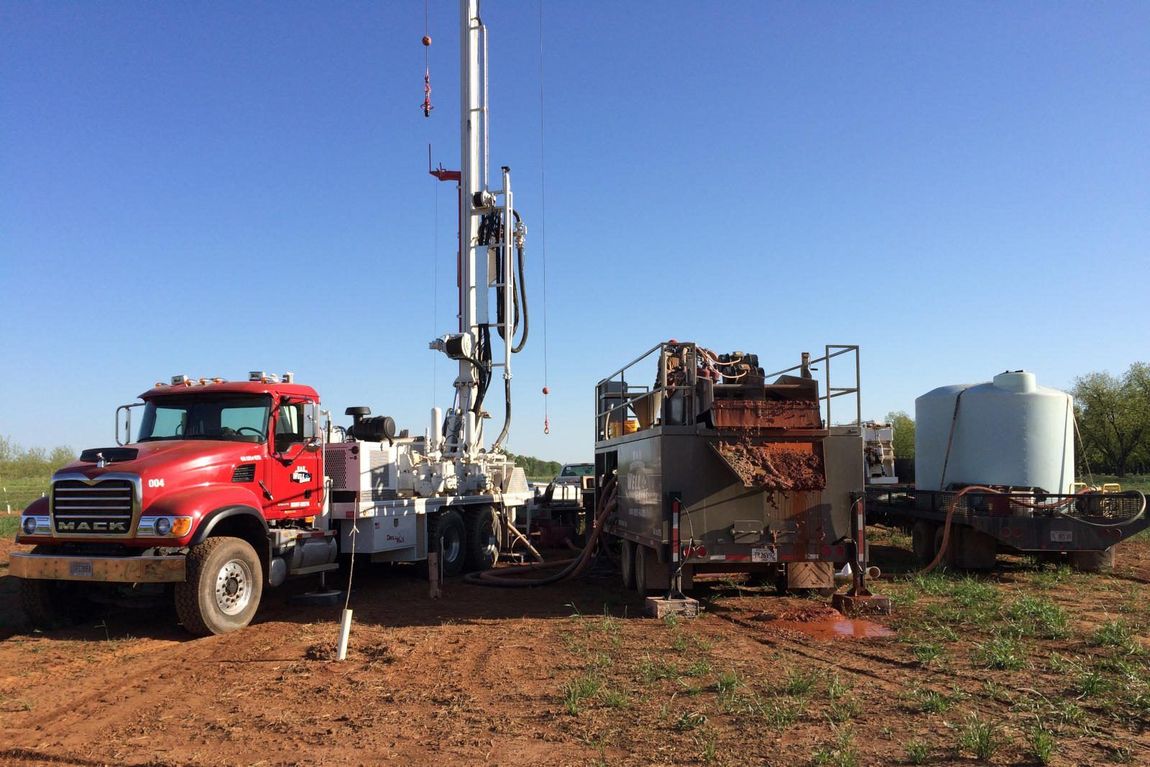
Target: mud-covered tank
{"type": "Point", "coordinates": [1010, 431]}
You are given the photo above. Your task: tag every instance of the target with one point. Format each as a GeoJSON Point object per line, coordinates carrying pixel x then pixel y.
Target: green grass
{"type": "Point", "coordinates": [978, 737]}
{"type": "Point", "coordinates": [579, 690]}
{"type": "Point", "coordinates": [9, 525]}
{"type": "Point", "coordinates": [1038, 617]}
{"type": "Point", "coordinates": [1002, 652]}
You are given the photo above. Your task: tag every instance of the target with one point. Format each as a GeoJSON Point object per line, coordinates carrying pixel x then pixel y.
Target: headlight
{"type": "Point", "coordinates": [29, 525]}
{"type": "Point", "coordinates": [163, 525]}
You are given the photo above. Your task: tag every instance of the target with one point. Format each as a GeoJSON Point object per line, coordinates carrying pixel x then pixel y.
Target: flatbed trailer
{"type": "Point", "coordinates": [1083, 526]}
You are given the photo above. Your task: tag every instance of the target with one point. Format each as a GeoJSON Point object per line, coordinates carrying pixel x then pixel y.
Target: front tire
{"type": "Point", "coordinates": [223, 587]}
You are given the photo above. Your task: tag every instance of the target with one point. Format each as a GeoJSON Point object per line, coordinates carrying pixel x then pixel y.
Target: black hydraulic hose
{"type": "Point", "coordinates": [521, 296]}
{"type": "Point", "coordinates": [572, 567]}
{"type": "Point", "coordinates": [507, 418]}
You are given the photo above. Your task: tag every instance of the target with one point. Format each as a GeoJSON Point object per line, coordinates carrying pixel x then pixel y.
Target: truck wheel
{"type": "Point", "coordinates": [54, 604]}
{"type": "Point", "coordinates": [641, 554]}
{"type": "Point", "coordinates": [1093, 561]}
{"type": "Point", "coordinates": [483, 538]}
{"type": "Point", "coordinates": [223, 588]}
{"type": "Point", "coordinates": [627, 563]}
{"type": "Point", "coordinates": [922, 541]}
{"type": "Point", "coordinates": [446, 536]}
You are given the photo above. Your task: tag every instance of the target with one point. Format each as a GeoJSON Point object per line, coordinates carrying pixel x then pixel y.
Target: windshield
{"type": "Point", "coordinates": [231, 417]}
{"type": "Point", "coordinates": [577, 470]}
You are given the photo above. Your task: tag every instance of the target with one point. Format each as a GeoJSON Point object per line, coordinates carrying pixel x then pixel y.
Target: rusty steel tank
{"type": "Point", "coordinates": [722, 468]}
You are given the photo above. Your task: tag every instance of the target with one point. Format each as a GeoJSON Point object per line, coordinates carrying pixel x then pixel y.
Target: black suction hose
{"type": "Point", "coordinates": [572, 567]}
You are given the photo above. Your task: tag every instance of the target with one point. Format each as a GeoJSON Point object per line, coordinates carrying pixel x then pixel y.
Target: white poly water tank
{"type": "Point", "coordinates": [1010, 431]}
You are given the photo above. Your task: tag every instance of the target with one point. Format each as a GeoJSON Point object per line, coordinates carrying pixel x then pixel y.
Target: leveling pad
{"type": "Point", "coordinates": [661, 607]}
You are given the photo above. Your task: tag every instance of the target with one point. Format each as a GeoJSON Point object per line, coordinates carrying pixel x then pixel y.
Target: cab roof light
{"type": "Point", "coordinates": [179, 380]}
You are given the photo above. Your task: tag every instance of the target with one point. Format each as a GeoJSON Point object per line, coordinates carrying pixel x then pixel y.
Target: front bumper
{"type": "Point", "coordinates": [98, 569]}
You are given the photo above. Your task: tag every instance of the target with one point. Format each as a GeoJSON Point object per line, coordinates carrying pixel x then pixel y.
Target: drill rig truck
{"type": "Point", "coordinates": [231, 487]}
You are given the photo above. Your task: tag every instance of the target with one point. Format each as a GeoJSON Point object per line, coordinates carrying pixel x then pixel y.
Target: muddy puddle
{"type": "Point", "coordinates": [824, 623]}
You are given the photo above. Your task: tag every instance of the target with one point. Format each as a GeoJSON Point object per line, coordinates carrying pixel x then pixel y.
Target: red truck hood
{"type": "Point", "coordinates": [173, 458]}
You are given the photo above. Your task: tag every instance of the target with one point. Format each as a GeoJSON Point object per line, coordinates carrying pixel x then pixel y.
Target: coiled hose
{"type": "Point", "coordinates": [508, 577]}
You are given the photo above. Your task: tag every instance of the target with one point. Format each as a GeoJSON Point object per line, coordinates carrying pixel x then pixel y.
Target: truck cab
{"type": "Point", "coordinates": [221, 493]}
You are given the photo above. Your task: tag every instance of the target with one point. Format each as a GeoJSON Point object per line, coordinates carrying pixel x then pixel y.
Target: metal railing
{"type": "Point", "coordinates": [831, 392]}
{"type": "Point", "coordinates": [616, 400]}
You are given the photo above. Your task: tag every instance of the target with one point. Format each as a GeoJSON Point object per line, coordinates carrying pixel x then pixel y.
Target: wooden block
{"type": "Point", "coordinates": [810, 575]}
{"type": "Point", "coordinates": [658, 607]}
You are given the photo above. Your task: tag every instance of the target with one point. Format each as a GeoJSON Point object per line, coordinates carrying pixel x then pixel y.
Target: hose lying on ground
{"type": "Point", "coordinates": [508, 576]}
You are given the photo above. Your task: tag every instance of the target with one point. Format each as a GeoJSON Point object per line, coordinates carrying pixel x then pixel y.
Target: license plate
{"type": "Point", "coordinates": [80, 569]}
{"type": "Point", "coordinates": [1061, 536]}
{"type": "Point", "coordinates": [764, 554]}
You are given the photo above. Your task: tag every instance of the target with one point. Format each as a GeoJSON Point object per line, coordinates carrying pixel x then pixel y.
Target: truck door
{"type": "Point", "coordinates": [295, 475]}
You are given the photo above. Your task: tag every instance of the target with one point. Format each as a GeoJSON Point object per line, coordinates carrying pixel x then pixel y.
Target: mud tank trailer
{"type": "Point", "coordinates": [724, 469]}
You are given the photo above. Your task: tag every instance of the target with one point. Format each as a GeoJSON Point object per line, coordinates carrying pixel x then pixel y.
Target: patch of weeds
{"type": "Point", "coordinates": [844, 709]}
{"type": "Point", "coordinates": [579, 690]}
{"type": "Point", "coordinates": [978, 737]}
{"type": "Point", "coordinates": [841, 753]}
{"type": "Point", "coordinates": [727, 683]}
{"type": "Point", "coordinates": [614, 699]}
{"type": "Point", "coordinates": [779, 714]}
{"type": "Point", "coordinates": [702, 643]}
{"type": "Point", "coordinates": [1038, 617]}
{"type": "Point", "coordinates": [940, 632]}
{"type": "Point", "coordinates": [1120, 755]}
{"type": "Point", "coordinates": [600, 661]}
{"type": "Point", "coordinates": [934, 583]}
{"type": "Point", "coordinates": [1115, 633]}
{"type": "Point", "coordinates": [996, 691]}
{"type": "Point", "coordinates": [671, 621]}
{"type": "Point", "coordinates": [927, 653]}
{"type": "Point", "coordinates": [680, 643]}
{"type": "Point", "coordinates": [706, 743]}
{"type": "Point", "coordinates": [930, 701]}
{"type": "Point", "coordinates": [1060, 664]}
{"type": "Point", "coordinates": [1066, 711]}
{"type": "Point", "coordinates": [917, 752]}
{"type": "Point", "coordinates": [698, 668]}
{"type": "Point", "coordinates": [1003, 652]}
{"type": "Point", "coordinates": [1048, 579]}
{"type": "Point", "coordinates": [976, 594]}
{"type": "Point", "coordinates": [799, 682]}
{"type": "Point", "coordinates": [836, 688]}
{"type": "Point", "coordinates": [654, 670]}
{"type": "Point", "coordinates": [689, 720]}
{"type": "Point", "coordinates": [1042, 744]}
{"type": "Point", "coordinates": [1091, 683]}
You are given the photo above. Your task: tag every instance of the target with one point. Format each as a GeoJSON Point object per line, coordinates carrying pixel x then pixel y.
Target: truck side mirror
{"type": "Point", "coordinates": [124, 423]}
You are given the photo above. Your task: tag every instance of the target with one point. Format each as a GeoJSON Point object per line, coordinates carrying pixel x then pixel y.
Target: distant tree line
{"type": "Point", "coordinates": [1113, 415]}
{"type": "Point", "coordinates": [17, 462]}
{"type": "Point", "coordinates": [536, 467]}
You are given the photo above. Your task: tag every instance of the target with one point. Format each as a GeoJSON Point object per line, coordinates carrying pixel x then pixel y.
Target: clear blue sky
{"type": "Point", "coordinates": [209, 188]}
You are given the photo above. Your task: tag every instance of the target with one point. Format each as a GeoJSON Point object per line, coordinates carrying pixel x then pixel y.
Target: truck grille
{"type": "Point", "coordinates": [104, 508]}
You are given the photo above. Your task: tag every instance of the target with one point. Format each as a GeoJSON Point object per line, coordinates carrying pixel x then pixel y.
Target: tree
{"type": "Point", "coordinates": [903, 433]}
{"type": "Point", "coordinates": [1114, 418]}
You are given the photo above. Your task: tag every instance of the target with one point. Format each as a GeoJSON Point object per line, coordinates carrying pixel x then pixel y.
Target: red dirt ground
{"type": "Point", "coordinates": [571, 675]}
